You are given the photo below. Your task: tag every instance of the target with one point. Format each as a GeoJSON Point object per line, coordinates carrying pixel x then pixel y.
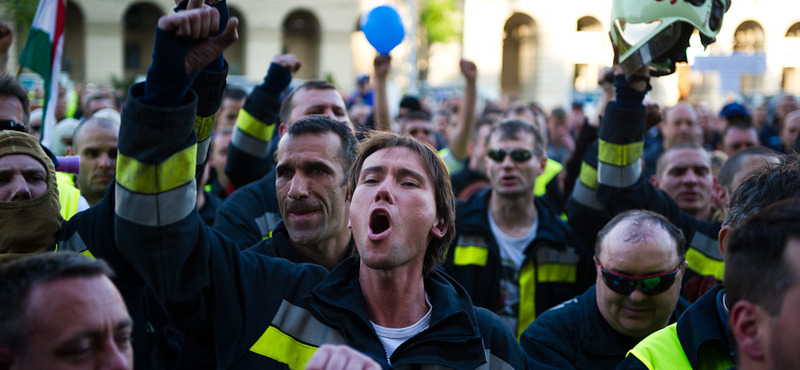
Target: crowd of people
{"type": "Point", "coordinates": [210, 228]}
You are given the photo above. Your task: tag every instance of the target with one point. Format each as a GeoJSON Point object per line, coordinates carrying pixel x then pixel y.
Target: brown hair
{"type": "Point", "coordinates": [436, 171]}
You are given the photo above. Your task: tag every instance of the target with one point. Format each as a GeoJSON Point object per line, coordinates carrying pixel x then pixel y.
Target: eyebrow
{"type": "Point", "coordinates": [126, 323]}
{"type": "Point", "coordinates": [373, 169]}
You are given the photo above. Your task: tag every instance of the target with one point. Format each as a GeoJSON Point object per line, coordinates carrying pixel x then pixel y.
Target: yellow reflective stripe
{"type": "Point", "coordinates": [620, 155]}
{"type": "Point", "coordinates": [705, 265]}
{"type": "Point", "coordinates": [88, 254]}
{"type": "Point", "coordinates": [265, 237]}
{"type": "Point", "coordinates": [283, 348]}
{"type": "Point", "coordinates": [556, 273]}
{"type": "Point", "coordinates": [253, 127]}
{"type": "Point", "coordinates": [551, 169]}
{"type": "Point", "coordinates": [470, 255]}
{"type": "Point", "coordinates": [139, 177]}
{"type": "Point", "coordinates": [588, 176]}
{"type": "Point", "coordinates": [527, 298]}
{"type": "Point", "coordinates": [204, 126]}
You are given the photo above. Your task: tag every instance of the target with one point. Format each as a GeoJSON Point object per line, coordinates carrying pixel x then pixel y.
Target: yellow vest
{"type": "Point", "coordinates": [68, 195]}
{"type": "Point", "coordinates": [663, 350]}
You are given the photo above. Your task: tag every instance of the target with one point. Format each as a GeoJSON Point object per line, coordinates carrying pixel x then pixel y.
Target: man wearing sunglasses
{"type": "Point", "coordinates": [640, 261]}
{"type": "Point", "coordinates": [700, 338]}
{"type": "Point", "coordinates": [513, 253]}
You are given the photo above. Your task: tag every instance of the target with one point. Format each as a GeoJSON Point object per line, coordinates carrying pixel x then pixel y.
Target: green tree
{"type": "Point", "coordinates": [439, 21]}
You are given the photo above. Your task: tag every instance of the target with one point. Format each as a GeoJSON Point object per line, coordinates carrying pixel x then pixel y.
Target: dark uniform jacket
{"type": "Point", "coordinates": [251, 213]}
{"type": "Point", "coordinates": [554, 269]}
{"type": "Point", "coordinates": [264, 312]}
{"type": "Point", "coordinates": [574, 335]}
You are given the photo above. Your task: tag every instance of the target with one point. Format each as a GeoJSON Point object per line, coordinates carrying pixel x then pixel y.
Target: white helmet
{"type": "Point", "coordinates": [656, 32]}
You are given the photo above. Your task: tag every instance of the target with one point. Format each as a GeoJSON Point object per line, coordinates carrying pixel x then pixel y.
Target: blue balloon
{"type": "Point", "coordinates": [383, 28]}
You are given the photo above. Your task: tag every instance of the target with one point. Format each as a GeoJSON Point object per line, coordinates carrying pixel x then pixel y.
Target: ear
{"type": "Point", "coordinates": [722, 239]}
{"type": "Point", "coordinates": [470, 148]}
{"type": "Point", "coordinates": [283, 128]}
{"type": "Point", "coordinates": [70, 151]}
{"type": "Point", "coordinates": [439, 229]}
{"type": "Point", "coordinates": [654, 180]}
{"type": "Point", "coordinates": [542, 164]}
{"type": "Point", "coordinates": [746, 320]}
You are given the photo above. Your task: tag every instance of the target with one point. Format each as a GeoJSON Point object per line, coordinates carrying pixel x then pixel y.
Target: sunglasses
{"type": "Point", "coordinates": [649, 285]}
{"type": "Point", "coordinates": [12, 125]}
{"type": "Point", "coordinates": [517, 155]}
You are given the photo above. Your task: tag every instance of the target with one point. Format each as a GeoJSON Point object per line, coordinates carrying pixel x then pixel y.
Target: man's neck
{"type": "Point", "coordinates": [395, 298]}
{"type": "Point", "coordinates": [703, 215]}
{"type": "Point", "coordinates": [514, 216]}
{"type": "Point", "coordinates": [327, 253]}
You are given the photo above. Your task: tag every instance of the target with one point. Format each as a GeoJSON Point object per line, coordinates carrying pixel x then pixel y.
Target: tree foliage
{"type": "Point", "coordinates": [441, 20]}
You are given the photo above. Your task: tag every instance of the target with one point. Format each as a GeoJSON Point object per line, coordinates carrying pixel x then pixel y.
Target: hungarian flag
{"type": "Point", "coordinates": [42, 54]}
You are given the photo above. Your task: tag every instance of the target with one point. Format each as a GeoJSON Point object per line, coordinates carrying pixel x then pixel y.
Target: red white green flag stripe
{"type": "Point", "coordinates": [42, 54]}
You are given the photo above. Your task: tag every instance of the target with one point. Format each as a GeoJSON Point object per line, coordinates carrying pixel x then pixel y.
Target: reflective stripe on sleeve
{"type": "Point", "coordinates": [248, 144]}
{"type": "Point", "coordinates": [293, 336]}
{"type": "Point", "coordinates": [176, 171]}
{"type": "Point", "coordinates": [586, 196]}
{"type": "Point", "coordinates": [588, 176]}
{"type": "Point", "coordinates": [158, 209]}
{"type": "Point", "coordinates": [619, 155]}
{"type": "Point", "coordinates": [619, 177]}
{"type": "Point", "coordinates": [266, 223]}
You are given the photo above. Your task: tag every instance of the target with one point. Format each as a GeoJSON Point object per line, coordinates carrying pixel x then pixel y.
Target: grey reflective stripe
{"type": "Point", "coordinates": [155, 209]}
{"type": "Point", "coordinates": [551, 255]}
{"type": "Point", "coordinates": [202, 150]}
{"type": "Point", "coordinates": [303, 326]}
{"type": "Point", "coordinates": [473, 240]}
{"type": "Point", "coordinates": [586, 196]}
{"type": "Point", "coordinates": [267, 223]}
{"type": "Point", "coordinates": [619, 177]}
{"type": "Point", "coordinates": [494, 363]}
{"type": "Point", "coordinates": [74, 243]}
{"type": "Point", "coordinates": [248, 144]}
{"type": "Point", "coordinates": [706, 245]}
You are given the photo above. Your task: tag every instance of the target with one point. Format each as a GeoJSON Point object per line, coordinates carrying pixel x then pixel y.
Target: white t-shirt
{"type": "Point", "coordinates": [394, 337]}
{"type": "Point", "coordinates": [512, 254]}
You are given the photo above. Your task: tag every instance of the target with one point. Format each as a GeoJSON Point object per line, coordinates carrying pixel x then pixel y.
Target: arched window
{"type": "Point", "coordinates": [140, 22]}
{"type": "Point", "coordinates": [74, 57]}
{"type": "Point", "coordinates": [748, 38]}
{"type": "Point", "coordinates": [589, 24]}
{"type": "Point", "coordinates": [519, 56]}
{"type": "Point", "coordinates": [301, 37]}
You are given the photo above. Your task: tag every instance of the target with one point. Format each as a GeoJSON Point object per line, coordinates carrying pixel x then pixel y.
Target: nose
{"type": "Point", "coordinates": [19, 189]}
{"type": "Point", "coordinates": [299, 187]}
{"type": "Point", "coordinates": [329, 112]}
{"type": "Point", "coordinates": [115, 357]}
{"type": "Point", "coordinates": [105, 161]}
{"type": "Point", "coordinates": [637, 296]}
{"type": "Point", "coordinates": [384, 192]}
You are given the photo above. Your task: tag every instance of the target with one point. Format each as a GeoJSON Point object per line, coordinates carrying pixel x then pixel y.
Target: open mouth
{"type": "Point", "coordinates": [379, 223]}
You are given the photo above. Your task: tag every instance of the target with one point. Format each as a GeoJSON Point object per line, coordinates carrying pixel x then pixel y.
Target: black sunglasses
{"type": "Point", "coordinates": [12, 125]}
{"type": "Point", "coordinates": [517, 155]}
{"type": "Point", "coordinates": [649, 285]}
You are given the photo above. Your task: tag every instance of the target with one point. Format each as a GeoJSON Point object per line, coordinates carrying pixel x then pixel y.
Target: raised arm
{"type": "Point", "coordinates": [460, 135]}
{"type": "Point", "coordinates": [383, 120]}
{"type": "Point", "coordinates": [248, 158]}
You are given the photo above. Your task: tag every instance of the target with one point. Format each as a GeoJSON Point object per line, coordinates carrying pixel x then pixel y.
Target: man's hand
{"type": "Point", "coordinates": [288, 61]}
{"type": "Point", "coordinates": [199, 23]}
{"type": "Point", "coordinates": [469, 70]}
{"type": "Point", "coordinates": [382, 64]}
{"type": "Point", "coordinates": [654, 116]}
{"type": "Point", "coordinates": [333, 357]}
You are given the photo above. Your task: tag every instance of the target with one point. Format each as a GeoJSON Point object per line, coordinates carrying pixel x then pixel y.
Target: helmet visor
{"type": "Point", "coordinates": [642, 44]}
